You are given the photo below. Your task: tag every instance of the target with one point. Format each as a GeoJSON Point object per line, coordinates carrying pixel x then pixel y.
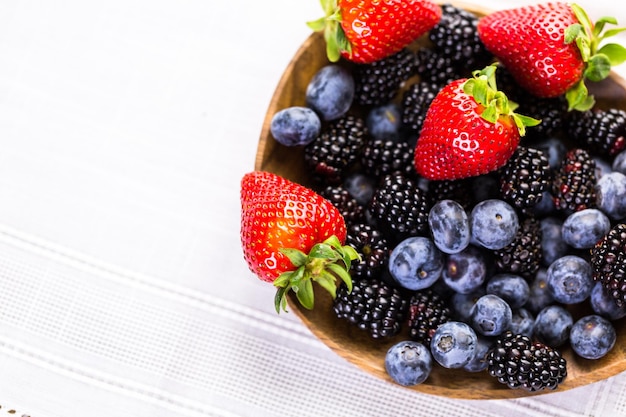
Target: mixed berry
{"type": "Point", "coordinates": [478, 253]}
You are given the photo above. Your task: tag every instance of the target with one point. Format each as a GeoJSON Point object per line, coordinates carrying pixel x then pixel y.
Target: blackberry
{"type": "Point", "coordinates": [427, 311]}
{"type": "Point", "coordinates": [382, 157]}
{"type": "Point", "coordinates": [377, 83]}
{"type": "Point", "coordinates": [341, 198]}
{"type": "Point", "coordinates": [456, 37]}
{"type": "Point", "coordinates": [371, 244]}
{"type": "Point", "coordinates": [400, 208]}
{"type": "Point", "coordinates": [573, 188]}
{"type": "Point", "coordinates": [337, 147]}
{"type": "Point", "coordinates": [524, 177]}
{"type": "Point", "coordinates": [372, 306]}
{"type": "Point", "coordinates": [523, 256]}
{"type": "Point", "coordinates": [551, 111]}
{"type": "Point", "coordinates": [436, 68]}
{"type": "Point", "coordinates": [608, 262]}
{"type": "Point", "coordinates": [415, 102]}
{"type": "Point", "coordinates": [521, 364]}
{"type": "Point", "coordinates": [602, 132]}
{"type": "Point", "coordinates": [457, 190]}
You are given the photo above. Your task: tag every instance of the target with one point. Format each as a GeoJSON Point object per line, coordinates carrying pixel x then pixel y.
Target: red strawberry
{"type": "Point", "coordinates": [365, 31]}
{"type": "Point", "coordinates": [292, 236]}
{"type": "Point", "coordinates": [470, 129]}
{"type": "Point", "coordinates": [551, 48]}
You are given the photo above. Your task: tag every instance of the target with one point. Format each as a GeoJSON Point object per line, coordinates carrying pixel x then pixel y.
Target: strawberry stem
{"type": "Point", "coordinates": [330, 24]}
{"type": "Point", "coordinates": [325, 262]}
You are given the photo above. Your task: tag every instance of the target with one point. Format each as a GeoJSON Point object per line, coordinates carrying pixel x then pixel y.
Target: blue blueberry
{"type": "Point", "coordinates": [295, 126]}
{"type": "Point", "coordinates": [583, 229]}
{"type": "Point", "coordinates": [479, 362]}
{"type": "Point", "coordinates": [540, 295]}
{"type": "Point", "coordinates": [552, 325]}
{"type": "Point", "coordinates": [453, 344]}
{"type": "Point", "coordinates": [522, 322]}
{"type": "Point", "coordinates": [361, 187]}
{"type": "Point", "coordinates": [465, 271]}
{"type": "Point", "coordinates": [510, 287]}
{"type": "Point", "coordinates": [592, 337]}
{"type": "Point", "coordinates": [619, 162]}
{"type": "Point", "coordinates": [416, 263]}
{"type": "Point", "coordinates": [545, 206]}
{"type": "Point", "coordinates": [553, 246]}
{"type": "Point", "coordinates": [491, 315]}
{"type": "Point", "coordinates": [384, 122]}
{"type": "Point", "coordinates": [604, 304]}
{"type": "Point", "coordinates": [602, 167]}
{"type": "Point", "coordinates": [331, 92]}
{"type": "Point", "coordinates": [408, 363]}
{"type": "Point", "coordinates": [449, 226]}
{"type": "Point", "coordinates": [570, 279]}
{"type": "Point", "coordinates": [611, 195]}
{"type": "Point", "coordinates": [494, 224]}
{"type": "Point", "coordinates": [462, 303]}
{"type": "Point", "coordinates": [554, 149]}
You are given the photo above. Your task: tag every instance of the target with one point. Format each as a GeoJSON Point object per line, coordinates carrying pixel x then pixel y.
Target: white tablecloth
{"type": "Point", "coordinates": [125, 127]}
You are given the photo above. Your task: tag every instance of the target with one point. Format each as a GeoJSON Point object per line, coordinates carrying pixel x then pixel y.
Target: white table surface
{"type": "Point", "coordinates": [125, 127]}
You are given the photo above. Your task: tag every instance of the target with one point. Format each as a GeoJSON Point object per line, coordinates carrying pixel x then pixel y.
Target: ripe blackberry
{"type": "Point", "coordinates": [523, 256]}
{"type": "Point", "coordinates": [382, 157]}
{"type": "Point", "coordinates": [457, 190]}
{"type": "Point", "coordinates": [435, 68]}
{"type": "Point", "coordinates": [377, 83]}
{"type": "Point", "coordinates": [371, 244]}
{"type": "Point", "coordinates": [608, 262]}
{"type": "Point", "coordinates": [521, 364]}
{"type": "Point", "coordinates": [400, 208]}
{"type": "Point", "coordinates": [372, 306]}
{"type": "Point", "coordinates": [524, 177]}
{"type": "Point", "coordinates": [456, 37]}
{"type": "Point", "coordinates": [574, 183]}
{"type": "Point", "coordinates": [427, 311]}
{"type": "Point", "coordinates": [336, 148]}
{"type": "Point", "coordinates": [341, 198]}
{"type": "Point", "coordinates": [602, 132]}
{"type": "Point", "coordinates": [551, 111]}
{"type": "Point", "coordinates": [415, 102]}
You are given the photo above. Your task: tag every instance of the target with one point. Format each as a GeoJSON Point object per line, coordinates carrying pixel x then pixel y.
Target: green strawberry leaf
{"type": "Point", "coordinates": [578, 97]}
{"type": "Point", "coordinates": [614, 52]}
{"type": "Point", "coordinates": [283, 280]}
{"type": "Point", "coordinates": [522, 122]}
{"type": "Point", "coordinates": [327, 281]}
{"type": "Point", "coordinates": [572, 32]}
{"type": "Point", "coordinates": [297, 257]}
{"type": "Point", "coordinates": [598, 68]}
{"type": "Point", "coordinates": [612, 32]}
{"type": "Point", "coordinates": [280, 301]}
{"type": "Point", "coordinates": [343, 274]}
{"type": "Point", "coordinates": [317, 25]}
{"type": "Point", "coordinates": [304, 293]}
{"type": "Point", "coordinates": [582, 16]}
{"type": "Point", "coordinates": [323, 251]}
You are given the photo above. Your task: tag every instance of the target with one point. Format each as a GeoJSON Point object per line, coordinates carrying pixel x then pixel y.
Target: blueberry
{"type": "Point", "coordinates": [479, 362]}
{"type": "Point", "coordinates": [494, 224]}
{"type": "Point", "coordinates": [453, 344]}
{"type": "Point", "coordinates": [592, 337]}
{"type": "Point", "coordinates": [361, 187]}
{"type": "Point", "coordinates": [449, 226]}
{"type": "Point", "coordinates": [462, 303]}
{"type": "Point", "coordinates": [570, 279]}
{"type": "Point", "coordinates": [384, 122]}
{"type": "Point", "coordinates": [416, 263]}
{"type": "Point", "coordinates": [491, 315]}
{"type": "Point", "coordinates": [465, 271]}
{"type": "Point", "coordinates": [511, 288]}
{"type": "Point", "coordinates": [604, 304]}
{"type": "Point", "coordinates": [552, 325]}
{"type": "Point", "coordinates": [553, 246]}
{"type": "Point", "coordinates": [619, 162]}
{"type": "Point", "coordinates": [583, 229]}
{"type": "Point", "coordinates": [485, 187]}
{"type": "Point", "coordinates": [611, 195]}
{"type": "Point", "coordinates": [554, 149]}
{"type": "Point", "coordinates": [295, 126]}
{"type": "Point", "coordinates": [545, 206]}
{"type": "Point", "coordinates": [602, 167]}
{"type": "Point", "coordinates": [408, 363]}
{"type": "Point", "coordinates": [331, 92]}
{"type": "Point", "coordinates": [522, 322]}
{"type": "Point", "coordinates": [540, 295]}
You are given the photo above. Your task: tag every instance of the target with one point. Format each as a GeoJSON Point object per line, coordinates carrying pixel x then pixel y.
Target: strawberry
{"type": "Point", "coordinates": [292, 236]}
{"type": "Point", "coordinates": [365, 31]}
{"type": "Point", "coordinates": [470, 129]}
{"type": "Point", "coordinates": [551, 48]}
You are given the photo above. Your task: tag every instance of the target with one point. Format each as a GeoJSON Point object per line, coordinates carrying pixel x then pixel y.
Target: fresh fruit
{"type": "Point", "coordinates": [491, 315]}
{"type": "Point", "coordinates": [552, 244]}
{"type": "Point", "coordinates": [365, 31]}
{"type": "Point", "coordinates": [510, 287]}
{"type": "Point", "coordinates": [608, 260]}
{"type": "Point", "coordinates": [522, 322]}
{"type": "Point", "coordinates": [331, 92]}
{"type": "Point", "coordinates": [372, 247]}
{"type": "Point", "coordinates": [408, 363]}
{"type": "Point", "coordinates": [295, 126]}
{"type": "Point", "coordinates": [574, 182]}
{"type": "Point", "coordinates": [494, 224]}
{"type": "Point", "coordinates": [604, 305]}
{"type": "Point", "coordinates": [465, 271]}
{"type": "Point", "coordinates": [592, 337]}
{"type": "Point", "coordinates": [602, 132]}
{"type": "Point", "coordinates": [570, 279]}
{"type": "Point", "coordinates": [415, 102]}
{"type": "Point", "coordinates": [521, 364]}
{"type": "Point", "coordinates": [551, 48]}
{"type": "Point", "coordinates": [552, 325]}
{"type": "Point", "coordinates": [449, 226]}
{"type": "Point", "coordinates": [351, 211]}
{"type": "Point", "coordinates": [524, 177]}
{"type": "Point", "coordinates": [540, 296]}
{"type": "Point", "coordinates": [384, 122]}
{"type": "Point", "coordinates": [454, 344]}
{"type": "Point", "coordinates": [470, 129]}
{"type": "Point", "coordinates": [360, 186]}
{"type": "Point", "coordinates": [382, 157]}
{"type": "Point", "coordinates": [611, 195]}
{"type": "Point", "coordinates": [427, 311]}
{"type": "Point", "coordinates": [415, 263]}
{"type": "Point", "coordinates": [584, 228]}
{"type": "Point", "coordinates": [479, 362]}
{"type": "Point", "coordinates": [292, 237]}
{"type": "Point", "coordinates": [523, 255]}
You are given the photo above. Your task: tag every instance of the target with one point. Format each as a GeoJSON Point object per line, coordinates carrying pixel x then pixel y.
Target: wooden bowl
{"type": "Point", "coordinates": [355, 345]}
